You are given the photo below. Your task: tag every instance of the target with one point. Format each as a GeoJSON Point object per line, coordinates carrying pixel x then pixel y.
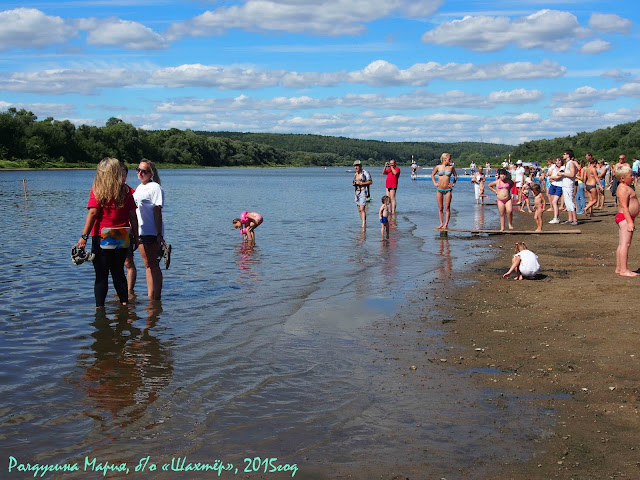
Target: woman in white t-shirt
{"type": "Point", "coordinates": [149, 198]}
{"type": "Point", "coordinates": [524, 263]}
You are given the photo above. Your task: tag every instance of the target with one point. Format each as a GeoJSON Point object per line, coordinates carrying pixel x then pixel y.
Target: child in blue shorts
{"type": "Point", "coordinates": [383, 214]}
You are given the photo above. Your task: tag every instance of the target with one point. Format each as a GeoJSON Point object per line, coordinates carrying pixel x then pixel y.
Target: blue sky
{"type": "Point", "coordinates": [397, 70]}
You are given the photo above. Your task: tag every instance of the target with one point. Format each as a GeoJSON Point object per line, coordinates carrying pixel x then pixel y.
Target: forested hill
{"type": "Point", "coordinates": [605, 143]}
{"type": "Point", "coordinates": [373, 152]}
{"type": "Point", "coordinates": [26, 141]}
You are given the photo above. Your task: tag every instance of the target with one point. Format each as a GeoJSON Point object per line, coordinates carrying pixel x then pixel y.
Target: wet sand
{"type": "Point", "coordinates": [567, 342]}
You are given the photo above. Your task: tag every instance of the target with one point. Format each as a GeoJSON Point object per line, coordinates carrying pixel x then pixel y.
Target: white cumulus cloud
{"type": "Point", "coordinates": [29, 27]}
{"type": "Point", "coordinates": [121, 33]}
{"type": "Point", "coordinates": [595, 46]}
{"type": "Point", "coordinates": [318, 17]}
{"type": "Point", "coordinates": [610, 23]}
{"type": "Point", "coordinates": [587, 96]}
{"type": "Point", "coordinates": [61, 81]}
{"type": "Point", "coordinates": [546, 29]}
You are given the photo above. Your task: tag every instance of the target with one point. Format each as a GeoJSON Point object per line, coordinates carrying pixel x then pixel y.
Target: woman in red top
{"type": "Point", "coordinates": [111, 216]}
{"type": "Point", "coordinates": [393, 173]}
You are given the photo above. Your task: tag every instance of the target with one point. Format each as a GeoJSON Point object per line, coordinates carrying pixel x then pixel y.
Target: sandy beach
{"type": "Point", "coordinates": [569, 340]}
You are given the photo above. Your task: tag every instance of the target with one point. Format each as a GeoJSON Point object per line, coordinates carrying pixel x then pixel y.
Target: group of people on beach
{"type": "Point", "coordinates": [564, 185]}
{"type": "Point", "coordinates": [120, 220]}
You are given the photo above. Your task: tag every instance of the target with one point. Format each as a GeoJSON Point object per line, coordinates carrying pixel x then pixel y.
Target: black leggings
{"type": "Point", "coordinates": [109, 261]}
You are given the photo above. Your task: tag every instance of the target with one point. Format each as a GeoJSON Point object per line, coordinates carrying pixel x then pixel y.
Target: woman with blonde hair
{"type": "Point", "coordinates": [445, 171]}
{"type": "Point", "coordinates": [111, 216]}
{"type": "Point", "coordinates": [149, 198]}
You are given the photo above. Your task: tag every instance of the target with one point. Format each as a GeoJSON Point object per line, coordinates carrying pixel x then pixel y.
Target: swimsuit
{"type": "Point", "coordinates": [503, 185]}
{"type": "Point", "coordinates": [448, 173]}
{"type": "Point", "coordinates": [443, 190]}
{"type": "Point", "coordinates": [384, 220]}
{"type": "Point", "coordinates": [620, 217]}
{"type": "Point", "coordinates": [589, 187]}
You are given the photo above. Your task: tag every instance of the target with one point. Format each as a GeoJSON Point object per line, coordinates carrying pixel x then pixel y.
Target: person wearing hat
{"type": "Point", "coordinates": [361, 180]}
{"type": "Point", "coordinates": [519, 174]}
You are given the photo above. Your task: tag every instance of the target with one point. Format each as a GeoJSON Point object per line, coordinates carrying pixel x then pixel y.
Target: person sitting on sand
{"type": "Point", "coordinates": [628, 209]}
{"type": "Point", "coordinates": [525, 263]}
{"type": "Point", "coordinates": [502, 190]}
{"type": "Point", "coordinates": [247, 223]}
{"type": "Point", "coordinates": [538, 206]}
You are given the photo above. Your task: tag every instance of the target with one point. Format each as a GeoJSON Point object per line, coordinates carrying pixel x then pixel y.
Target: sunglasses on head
{"type": "Point", "coordinates": [142, 170]}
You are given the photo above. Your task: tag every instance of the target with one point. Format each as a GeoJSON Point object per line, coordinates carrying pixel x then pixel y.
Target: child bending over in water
{"type": "Point", "coordinates": [628, 209]}
{"type": "Point", "coordinates": [247, 223]}
{"type": "Point", "coordinates": [383, 214]}
{"type": "Point", "coordinates": [525, 263]}
{"type": "Point", "coordinates": [538, 206]}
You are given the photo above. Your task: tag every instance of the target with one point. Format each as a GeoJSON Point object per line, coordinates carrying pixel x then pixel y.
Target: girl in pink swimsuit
{"type": "Point", "coordinates": [247, 223]}
{"type": "Point", "coordinates": [502, 190]}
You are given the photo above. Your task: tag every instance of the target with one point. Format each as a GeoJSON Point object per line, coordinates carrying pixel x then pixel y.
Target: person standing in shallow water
{"type": "Point", "coordinates": [393, 174]}
{"type": "Point", "coordinates": [149, 198]}
{"type": "Point", "coordinates": [447, 178]}
{"type": "Point", "coordinates": [112, 214]}
{"type": "Point", "coordinates": [361, 180]}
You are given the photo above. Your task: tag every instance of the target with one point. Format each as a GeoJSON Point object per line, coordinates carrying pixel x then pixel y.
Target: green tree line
{"type": "Point", "coordinates": [26, 141]}
{"type": "Point", "coordinates": [605, 143]}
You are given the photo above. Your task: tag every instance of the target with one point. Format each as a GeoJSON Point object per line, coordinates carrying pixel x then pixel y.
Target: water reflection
{"type": "Point", "coordinates": [478, 217]}
{"type": "Point", "coordinates": [129, 368]}
{"type": "Point", "coordinates": [444, 251]}
{"type": "Point", "coordinates": [247, 258]}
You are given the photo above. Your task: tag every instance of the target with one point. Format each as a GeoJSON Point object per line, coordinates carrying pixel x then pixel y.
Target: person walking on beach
{"type": "Point", "coordinates": [502, 190]}
{"type": "Point", "coordinates": [445, 171]}
{"type": "Point", "coordinates": [393, 174]}
{"type": "Point", "coordinates": [628, 210]}
{"type": "Point", "coordinates": [568, 185]}
{"type": "Point", "coordinates": [110, 219]}
{"type": "Point", "coordinates": [361, 180]}
{"type": "Point", "coordinates": [149, 198]}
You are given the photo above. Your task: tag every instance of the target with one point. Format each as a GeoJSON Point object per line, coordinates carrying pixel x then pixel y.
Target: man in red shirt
{"type": "Point", "coordinates": [393, 173]}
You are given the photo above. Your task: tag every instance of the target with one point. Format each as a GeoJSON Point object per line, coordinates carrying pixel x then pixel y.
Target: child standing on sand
{"type": "Point", "coordinates": [525, 263]}
{"type": "Point", "coordinates": [538, 206]}
{"type": "Point", "coordinates": [247, 223]}
{"type": "Point", "coordinates": [628, 209]}
{"type": "Point", "coordinates": [383, 214]}
{"type": "Point", "coordinates": [503, 197]}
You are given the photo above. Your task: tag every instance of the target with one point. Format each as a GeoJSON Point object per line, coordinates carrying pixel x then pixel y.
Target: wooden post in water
{"type": "Point", "coordinates": [24, 186]}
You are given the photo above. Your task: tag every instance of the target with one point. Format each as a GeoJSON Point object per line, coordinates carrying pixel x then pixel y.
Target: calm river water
{"type": "Point", "coordinates": [264, 352]}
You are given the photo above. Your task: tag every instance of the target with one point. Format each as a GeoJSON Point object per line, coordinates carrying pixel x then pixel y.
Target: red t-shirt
{"type": "Point", "coordinates": [392, 180]}
{"type": "Point", "coordinates": [109, 216]}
